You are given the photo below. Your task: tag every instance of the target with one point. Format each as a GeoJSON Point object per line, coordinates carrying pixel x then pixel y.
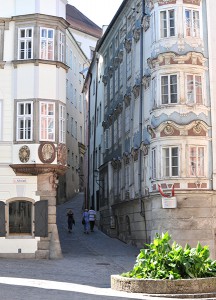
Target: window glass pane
{"type": "Point", "coordinates": [163, 25]}
{"type": "Point", "coordinates": [172, 22]}
{"type": "Point", "coordinates": [20, 217]}
{"type": "Point", "coordinates": [198, 86]}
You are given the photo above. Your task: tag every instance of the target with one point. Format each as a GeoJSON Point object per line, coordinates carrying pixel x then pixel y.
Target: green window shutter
{"type": "Point", "coordinates": [41, 218]}
{"type": "Point", "coordinates": [2, 219]}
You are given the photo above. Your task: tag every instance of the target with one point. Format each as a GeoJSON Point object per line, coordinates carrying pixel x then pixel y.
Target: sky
{"type": "Point", "coordinates": [100, 12]}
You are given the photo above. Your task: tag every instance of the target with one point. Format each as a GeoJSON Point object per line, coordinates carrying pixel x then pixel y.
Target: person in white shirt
{"type": "Point", "coordinates": [92, 218]}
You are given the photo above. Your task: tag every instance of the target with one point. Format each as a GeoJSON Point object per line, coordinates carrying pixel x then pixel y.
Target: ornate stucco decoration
{"type": "Point", "coordinates": [62, 154]}
{"type": "Point", "coordinates": [146, 81]}
{"type": "Point", "coordinates": [136, 90]}
{"type": "Point", "coordinates": [122, 31]}
{"type": "Point", "coordinates": [171, 58]}
{"type": "Point", "coordinates": [120, 55]}
{"type": "Point", "coordinates": [110, 119]}
{"type": "Point", "coordinates": [126, 157]}
{"type": "Point", "coordinates": [151, 131]}
{"type": "Point", "coordinates": [195, 2]}
{"type": "Point", "coordinates": [135, 153]}
{"type": "Point", "coordinates": [197, 129]}
{"type": "Point", "coordinates": [105, 79]}
{"type": "Point", "coordinates": [146, 22]}
{"type": "Point", "coordinates": [46, 152]}
{"type": "Point", "coordinates": [165, 2]}
{"type": "Point", "coordinates": [128, 44]}
{"type": "Point", "coordinates": [136, 34]}
{"type": "Point", "coordinates": [104, 124]}
{"type": "Point", "coordinates": [168, 130]}
{"type": "Point", "coordinates": [24, 154]}
{"type": "Point", "coordinates": [127, 99]}
{"type": "Point", "coordinates": [144, 148]}
{"type": "Point", "coordinates": [116, 62]}
{"type": "Point", "coordinates": [116, 163]}
{"type": "Point", "coordinates": [110, 71]}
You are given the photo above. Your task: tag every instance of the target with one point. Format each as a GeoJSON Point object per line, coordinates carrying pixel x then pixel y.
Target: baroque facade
{"type": "Point", "coordinates": [155, 83]}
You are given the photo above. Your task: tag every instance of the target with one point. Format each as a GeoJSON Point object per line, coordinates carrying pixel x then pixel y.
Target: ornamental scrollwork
{"type": "Point", "coordinates": [24, 154]}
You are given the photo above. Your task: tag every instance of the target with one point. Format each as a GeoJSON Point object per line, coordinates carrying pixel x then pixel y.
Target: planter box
{"type": "Point", "coordinates": [154, 286]}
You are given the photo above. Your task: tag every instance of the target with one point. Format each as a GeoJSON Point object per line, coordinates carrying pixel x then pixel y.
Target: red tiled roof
{"type": "Point", "coordinates": [80, 22]}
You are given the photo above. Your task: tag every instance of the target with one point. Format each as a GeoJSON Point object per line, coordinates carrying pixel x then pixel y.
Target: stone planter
{"type": "Point", "coordinates": [154, 286]}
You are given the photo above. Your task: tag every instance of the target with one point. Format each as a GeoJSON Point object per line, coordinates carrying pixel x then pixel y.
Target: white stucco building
{"type": "Point", "coordinates": [33, 125]}
{"type": "Point", "coordinates": [157, 74]}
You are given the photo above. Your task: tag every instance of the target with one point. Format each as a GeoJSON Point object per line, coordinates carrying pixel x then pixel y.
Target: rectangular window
{"type": "Point", "coordinates": [154, 92]}
{"type": "Point", "coordinates": [121, 75]}
{"type": "Point", "coordinates": [196, 161]}
{"type": "Point", "coordinates": [80, 104]}
{"type": "Point", "coordinates": [47, 43]}
{"type": "Point", "coordinates": [62, 124]}
{"type": "Point", "coordinates": [169, 92]}
{"type": "Point", "coordinates": [127, 176]}
{"type": "Point", "coordinates": [111, 88]}
{"type": "Point", "coordinates": [192, 23]}
{"type": "Point", "coordinates": [116, 81]}
{"type": "Point", "coordinates": [167, 23]}
{"type": "Point", "coordinates": [154, 163]}
{"type": "Point", "coordinates": [61, 46]}
{"type": "Point", "coordinates": [170, 159]}
{"type": "Point", "coordinates": [127, 119]}
{"type": "Point", "coordinates": [47, 121]}
{"type": "Point", "coordinates": [81, 134]}
{"type": "Point", "coordinates": [25, 44]}
{"type": "Point", "coordinates": [24, 121]}
{"type": "Point", "coordinates": [129, 64]}
{"type": "Point", "coordinates": [119, 126]}
{"type": "Point", "coordinates": [194, 89]}
{"type": "Point", "coordinates": [115, 132]}
{"type": "Point", "coordinates": [75, 129]}
{"type": "Point", "coordinates": [106, 139]}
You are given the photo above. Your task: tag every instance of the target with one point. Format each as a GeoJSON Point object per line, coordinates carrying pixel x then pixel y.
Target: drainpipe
{"type": "Point", "coordinates": [89, 132]}
{"type": "Point", "coordinates": [95, 125]}
{"type": "Point", "coordinates": [140, 122]}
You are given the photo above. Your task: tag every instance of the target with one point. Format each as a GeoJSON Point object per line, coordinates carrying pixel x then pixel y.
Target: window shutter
{"type": "Point", "coordinates": [2, 219]}
{"type": "Point", "coordinates": [41, 218]}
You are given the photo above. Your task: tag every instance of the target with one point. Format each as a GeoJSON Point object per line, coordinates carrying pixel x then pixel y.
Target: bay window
{"type": "Point", "coordinates": [170, 159]}
{"type": "Point", "coordinates": [196, 161]}
{"type": "Point", "coordinates": [167, 23]}
{"type": "Point", "coordinates": [25, 43]}
{"type": "Point", "coordinates": [47, 43]}
{"type": "Point", "coordinates": [47, 121]}
{"type": "Point", "coordinates": [169, 89]}
{"type": "Point", "coordinates": [194, 89]}
{"type": "Point", "coordinates": [24, 121]}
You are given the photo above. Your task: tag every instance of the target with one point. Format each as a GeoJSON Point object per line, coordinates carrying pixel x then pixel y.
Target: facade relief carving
{"type": "Point", "coordinates": [194, 2]}
{"type": "Point", "coordinates": [127, 45]}
{"type": "Point", "coordinates": [146, 22]}
{"type": "Point", "coordinates": [46, 152]}
{"type": "Point", "coordinates": [136, 34]}
{"type": "Point", "coordinates": [146, 81]}
{"type": "Point", "coordinates": [24, 154]}
{"type": "Point", "coordinates": [127, 99]}
{"type": "Point", "coordinates": [105, 79]}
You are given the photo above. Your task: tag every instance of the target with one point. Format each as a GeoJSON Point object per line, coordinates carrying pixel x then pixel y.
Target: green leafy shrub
{"type": "Point", "coordinates": [160, 260]}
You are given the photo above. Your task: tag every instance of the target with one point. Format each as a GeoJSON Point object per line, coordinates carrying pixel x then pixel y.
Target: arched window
{"type": "Point", "coordinates": [20, 217]}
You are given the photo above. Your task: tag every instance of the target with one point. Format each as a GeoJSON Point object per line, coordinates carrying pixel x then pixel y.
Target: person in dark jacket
{"type": "Point", "coordinates": [70, 219]}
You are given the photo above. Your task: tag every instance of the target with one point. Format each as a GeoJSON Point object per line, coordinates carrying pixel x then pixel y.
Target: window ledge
{"type": "Point", "coordinates": [36, 62]}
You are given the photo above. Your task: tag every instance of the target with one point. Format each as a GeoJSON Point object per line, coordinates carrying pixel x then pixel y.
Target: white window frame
{"type": "Point", "coordinates": [196, 166]}
{"type": "Point", "coordinates": [167, 161]}
{"type": "Point", "coordinates": [169, 93]}
{"type": "Point", "coordinates": [47, 44]}
{"type": "Point", "coordinates": [25, 118]}
{"type": "Point", "coordinates": [193, 98]}
{"type": "Point", "coordinates": [61, 46]}
{"type": "Point", "coordinates": [153, 163]}
{"type": "Point", "coordinates": [62, 124]}
{"type": "Point", "coordinates": [49, 118]}
{"type": "Point", "coordinates": [165, 26]}
{"type": "Point", "coordinates": [189, 23]}
{"type": "Point", "coordinates": [27, 42]}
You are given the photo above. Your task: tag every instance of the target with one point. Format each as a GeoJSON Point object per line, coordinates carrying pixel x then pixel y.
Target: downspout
{"type": "Point", "coordinates": [89, 131]}
{"type": "Point", "coordinates": [142, 207]}
{"type": "Point", "coordinates": [95, 124]}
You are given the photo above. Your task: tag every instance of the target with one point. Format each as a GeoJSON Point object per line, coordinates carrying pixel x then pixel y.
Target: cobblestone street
{"type": "Point", "coordinates": [83, 272]}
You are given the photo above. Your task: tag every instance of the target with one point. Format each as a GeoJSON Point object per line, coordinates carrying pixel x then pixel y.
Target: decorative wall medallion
{"type": "Point", "coordinates": [24, 154]}
{"type": "Point", "coordinates": [168, 130]}
{"type": "Point", "coordinates": [46, 152]}
{"type": "Point", "coordinates": [197, 129]}
{"type": "Point", "coordinates": [62, 154]}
